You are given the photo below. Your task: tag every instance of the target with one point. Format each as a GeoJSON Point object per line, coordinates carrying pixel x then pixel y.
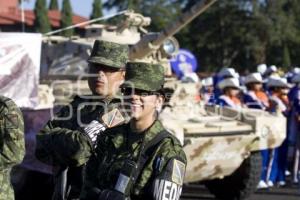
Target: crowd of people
{"type": "Point", "coordinates": [270, 90]}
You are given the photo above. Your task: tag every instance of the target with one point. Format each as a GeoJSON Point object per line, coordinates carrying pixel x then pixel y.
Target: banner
{"type": "Point", "coordinates": [20, 67]}
{"type": "Point", "coordinates": [184, 63]}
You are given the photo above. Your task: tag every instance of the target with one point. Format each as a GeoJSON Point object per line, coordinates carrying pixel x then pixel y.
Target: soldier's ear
{"type": "Point", "coordinates": [159, 102]}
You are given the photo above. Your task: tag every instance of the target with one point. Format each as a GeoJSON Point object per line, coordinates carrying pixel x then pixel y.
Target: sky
{"type": "Point", "coordinates": [80, 7]}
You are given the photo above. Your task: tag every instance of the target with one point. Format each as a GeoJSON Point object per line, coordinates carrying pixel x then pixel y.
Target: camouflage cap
{"type": "Point", "coordinates": [109, 54]}
{"type": "Point", "coordinates": [144, 76]}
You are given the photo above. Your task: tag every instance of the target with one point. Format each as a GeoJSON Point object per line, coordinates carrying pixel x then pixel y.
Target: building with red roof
{"type": "Point", "coordinates": [11, 18]}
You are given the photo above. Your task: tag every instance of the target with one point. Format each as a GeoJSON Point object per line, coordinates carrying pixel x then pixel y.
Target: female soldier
{"type": "Point", "coordinates": [138, 160]}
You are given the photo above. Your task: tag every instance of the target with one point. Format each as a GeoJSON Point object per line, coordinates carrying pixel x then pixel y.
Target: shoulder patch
{"type": "Point", "coordinates": [178, 172]}
{"type": "Point", "coordinates": [113, 118]}
{"type": "Point", "coordinates": [11, 121]}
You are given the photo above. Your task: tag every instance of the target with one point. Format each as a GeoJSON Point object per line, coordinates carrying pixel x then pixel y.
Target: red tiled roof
{"type": "Point", "coordinates": [4, 21]}
{"type": "Point", "coordinates": [54, 17]}
{"type": "Point", "coordinates": [6, 6]}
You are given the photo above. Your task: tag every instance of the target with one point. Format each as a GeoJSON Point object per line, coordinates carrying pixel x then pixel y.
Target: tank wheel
{"type": "Point", "coordinates": [241, 184]}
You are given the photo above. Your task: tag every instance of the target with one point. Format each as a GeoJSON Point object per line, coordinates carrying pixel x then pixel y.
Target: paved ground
{"type": "Point", "coordinates": [291, 192]}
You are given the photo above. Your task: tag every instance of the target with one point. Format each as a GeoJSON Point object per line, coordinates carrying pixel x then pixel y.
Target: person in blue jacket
{"type": "Point", "coordinates": [278, 104]}
{"type": "Point", "coordinates": [256, 98]}
{"type": "Point", "coordinates": [230, 88]}
{"type": "Point", "coordinates": [293, 124]}
{"type": "Point", "coordinates": [223, 74]}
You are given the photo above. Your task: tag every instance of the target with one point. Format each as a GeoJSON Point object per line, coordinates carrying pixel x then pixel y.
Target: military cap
{"type": "Point", "coordinates": [109, 54]}
{"type": "Point", "coordinates": [144, 76]}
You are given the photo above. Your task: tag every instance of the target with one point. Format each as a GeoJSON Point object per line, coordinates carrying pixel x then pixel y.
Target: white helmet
{"type": "Point", "coordinates": [207, 81]}
{"type": "Point", "coordinates": [261, 68]}
{"type": "Point", "coordinates": [271, 70]}
{"type": "Point", "coordinates": [296, 78]}
{"type": "Point", "coordinates": [296, 70]}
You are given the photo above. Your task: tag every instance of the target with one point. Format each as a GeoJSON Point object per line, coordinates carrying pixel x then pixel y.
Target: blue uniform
{"type": "Point", "coordinates": [278, 162]}
{"type": "Point", "coordinates": [217, 91]}
{"type": "Point", "coordinates": [293, 126]}
{"type": "Point", "coordinates": [294, 99]}
{"type": "Point", "coordinates": [252, 101]}
{"type": "Point", "coordinates": [225, 101]}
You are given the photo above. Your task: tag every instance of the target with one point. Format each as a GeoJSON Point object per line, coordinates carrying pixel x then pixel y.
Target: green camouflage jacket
{"type": "Point", "coordinates": [164, 166]}
{"type": "Point", "coordinates": [12, 145]}
{"type": "Point", "coordinates": [62, 141]}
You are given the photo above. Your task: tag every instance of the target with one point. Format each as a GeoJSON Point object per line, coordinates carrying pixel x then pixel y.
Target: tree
{"type": "Point", "coordinates": [124, 5]}
{"type": "Point", "coordinates": [161, 11]}
{"type": "Point", "coordinates": [286, 60]}
{"type": "Point", "coordinates": [243, 33]}
{"type": "Point", "coordinates": [283, 33]}
{"type": "Point", "coordinates": [97, 10]}
{"type": "Point", "coordinates": [220, 36]}
{"type": "Point", "coordinates": [233, 33]}
{"type": "Point", "coordinates": [53, 5]}
{"type": "Point", "coordinates": [66, 18]}
{"type": "Point", "coordinates": [41, 21]}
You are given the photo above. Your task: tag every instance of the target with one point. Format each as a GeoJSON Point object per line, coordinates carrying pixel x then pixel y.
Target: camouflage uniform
{"type": "Point", "coordinates": [12, 144]}
{"type": "Point", "coordinates": [63, 143]}
{"type": "Point", "coordinates": [159, 169]}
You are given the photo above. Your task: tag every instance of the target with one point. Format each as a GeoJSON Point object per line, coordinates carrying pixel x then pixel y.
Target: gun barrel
{"type": "Point", "coordinates": [144, 48]}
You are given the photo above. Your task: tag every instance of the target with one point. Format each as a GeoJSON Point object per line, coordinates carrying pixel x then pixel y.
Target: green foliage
{"type": "Point", "coordinates": [66, 18]}
{"type": "Point", "coordinates": [97, 10]}
{"type": "Point", "coordinates": [243, 33]}
{"type": "Point", "coordinates": [216, 37]}
{"type": "Point", "coordinates": [53, 5]}
{"type": "Point", "coordinates": [41, 21]}
{"type": "Point", "coordinates": [286, 57]}
{"type": "Point", "coordinates": [234, 33]}
{"type": "Point", "coordinates": [124, 5]}
{"type": "Point", "coordinates": [160, 11]}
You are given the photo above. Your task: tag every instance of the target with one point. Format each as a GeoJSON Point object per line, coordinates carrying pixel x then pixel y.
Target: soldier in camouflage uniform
{"type": "Point", "coordinates": [63, 141]}
{"type": "Point", "coordinates": [138, 160]}
{"type": "Point", "coordinates": [12, 145]}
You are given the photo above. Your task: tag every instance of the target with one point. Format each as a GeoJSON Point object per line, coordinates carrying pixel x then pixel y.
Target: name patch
{"type": "Point", "coordinates": [166, 190]}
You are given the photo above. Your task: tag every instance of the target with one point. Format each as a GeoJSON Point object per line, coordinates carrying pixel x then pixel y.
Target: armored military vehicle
{"type": "Point", "coordinates": [222, 145]}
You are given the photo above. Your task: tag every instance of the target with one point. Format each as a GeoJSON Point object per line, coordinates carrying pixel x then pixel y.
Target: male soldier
{"type": "Point", "coordinates": [141, 159]}
{"type": "Point", "coordinates": [12, 145]}
{"type": "Point", "coordinates": [67, 143]}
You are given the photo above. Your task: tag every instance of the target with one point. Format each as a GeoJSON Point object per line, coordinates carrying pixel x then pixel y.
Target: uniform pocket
{"type": "Point", "coordinates": [13, 127]}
